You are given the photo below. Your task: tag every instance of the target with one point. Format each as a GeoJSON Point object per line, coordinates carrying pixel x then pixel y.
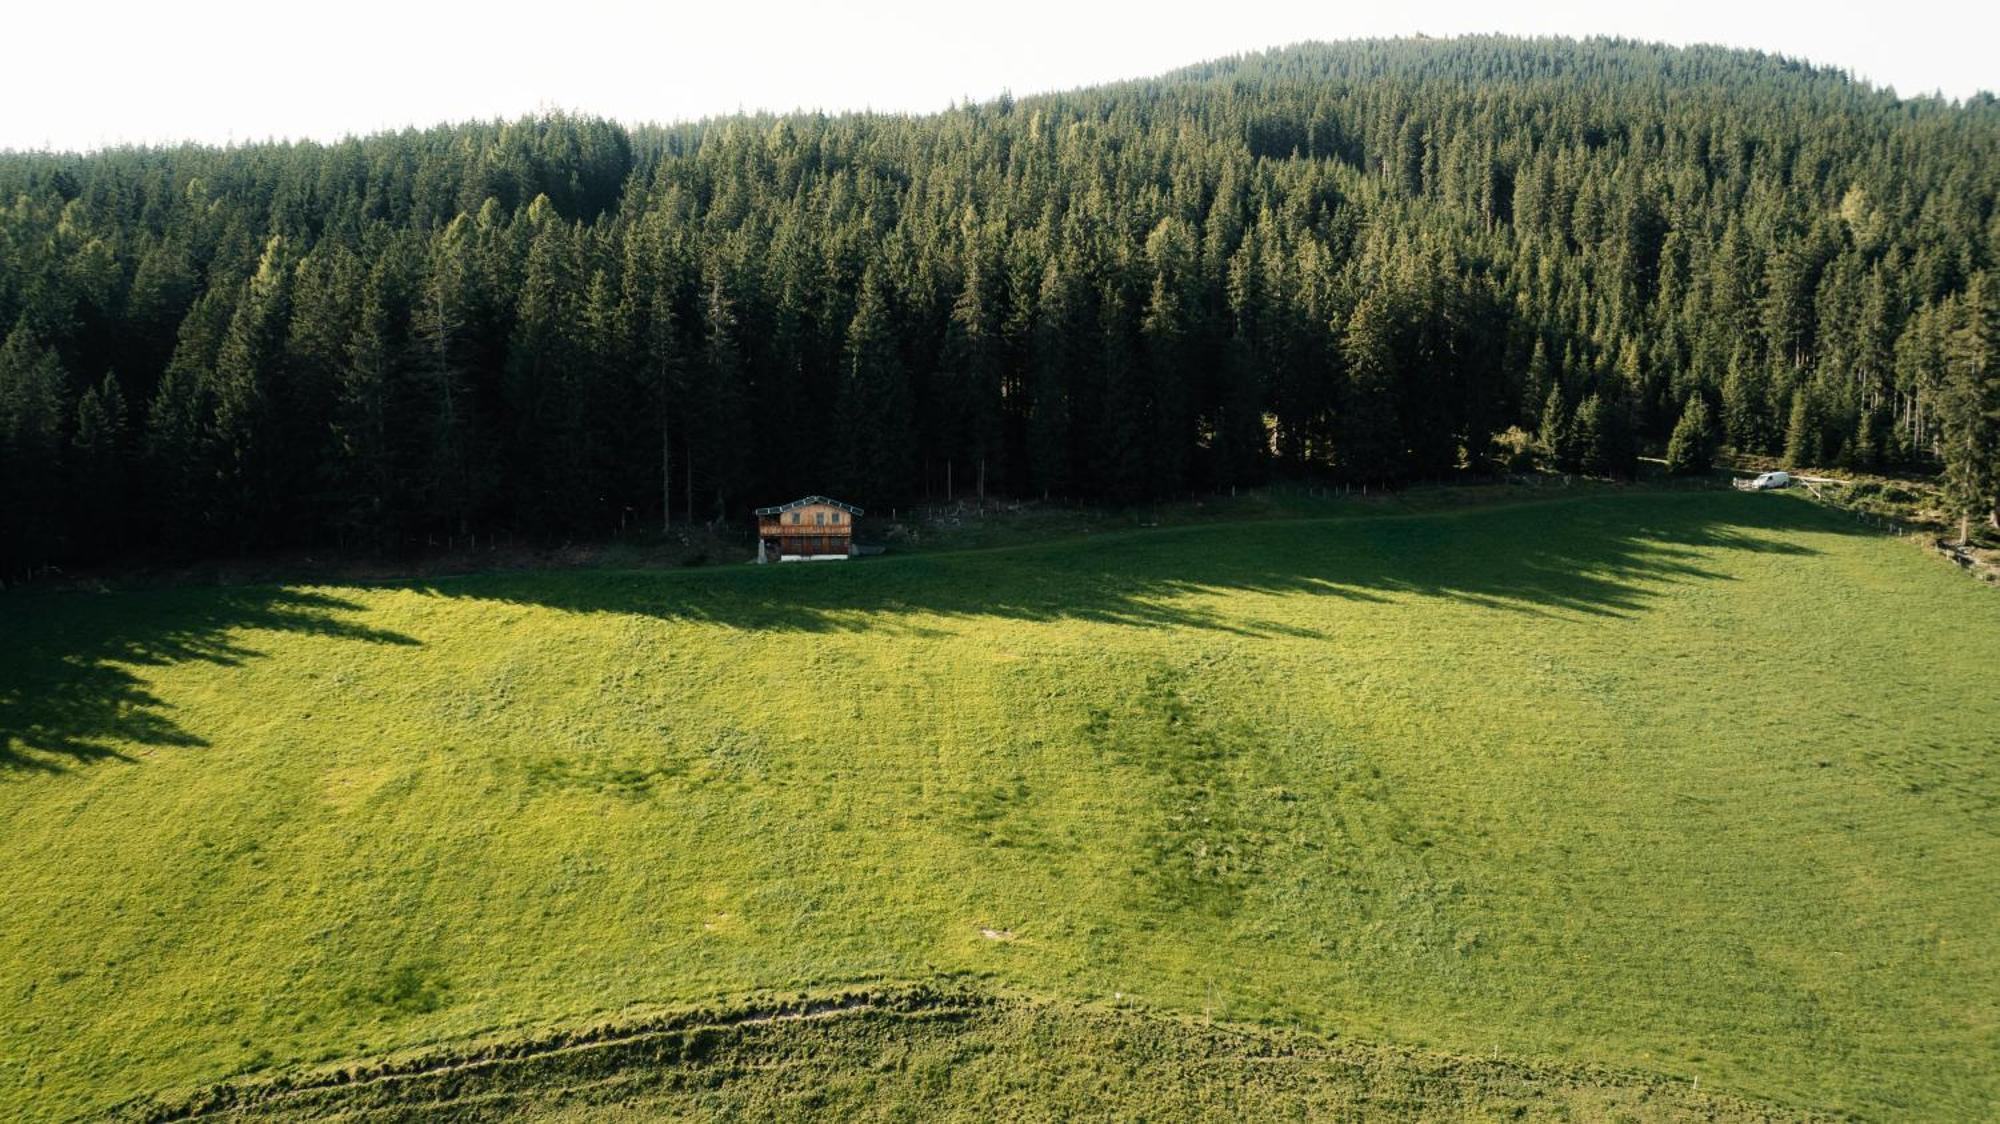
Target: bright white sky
{"type": "Point", "coordinates": [84, 75]}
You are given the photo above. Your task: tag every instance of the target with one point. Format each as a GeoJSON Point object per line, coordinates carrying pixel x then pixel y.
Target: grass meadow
{"type": "Point", "coordinates": [1693, 785]}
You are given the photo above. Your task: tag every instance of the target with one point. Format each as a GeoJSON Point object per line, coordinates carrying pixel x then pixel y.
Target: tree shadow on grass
{"type": "Point", "coordinates": [1601, 557]}
{"type": "Point", "coordinates": [72, 665]}
{"type": "Point", "coordinates": [72, 683]}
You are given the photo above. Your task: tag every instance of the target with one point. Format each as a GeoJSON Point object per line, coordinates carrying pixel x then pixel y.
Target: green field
{"type": "Point", "coordinates": [1681, 785]}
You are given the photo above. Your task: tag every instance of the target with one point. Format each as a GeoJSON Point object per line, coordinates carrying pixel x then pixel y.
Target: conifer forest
{"type": "Point", "coordinates": [1369, 262]}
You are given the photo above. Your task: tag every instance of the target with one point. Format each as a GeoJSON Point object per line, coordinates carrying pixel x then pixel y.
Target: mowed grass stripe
{"type": "Point", "coordinates": [1693, 784]}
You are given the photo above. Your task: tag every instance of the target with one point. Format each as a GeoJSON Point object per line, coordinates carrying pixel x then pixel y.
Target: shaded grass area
{"type": "Point", "coordinates": [1697, 784]}
{"type": "Point", "coordinates": [1606, 558]}
{"type": "Point", "coordinates": [950, 1052]}
{"type": "Point", "coordinates": [75, 688]}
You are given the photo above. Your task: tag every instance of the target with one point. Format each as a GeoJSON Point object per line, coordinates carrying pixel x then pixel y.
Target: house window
{"type": "Point", "coordinates": [819, 518]}
{"type": "Point", "coordinates": [836, 517]}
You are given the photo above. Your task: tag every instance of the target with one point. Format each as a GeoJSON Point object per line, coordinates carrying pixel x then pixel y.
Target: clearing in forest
{"type": "Point", "coordinates": [1678, 786]}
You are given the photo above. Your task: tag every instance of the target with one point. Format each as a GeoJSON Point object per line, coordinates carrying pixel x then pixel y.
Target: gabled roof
{"type": "Point", "coordinates": [808, 502]}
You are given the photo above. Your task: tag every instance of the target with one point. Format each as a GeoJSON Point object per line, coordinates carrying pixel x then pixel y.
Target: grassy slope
{"type": "Point", "coordinates": [929, 1053]}
{"type": "Point", "coordinates": [1695, 784]}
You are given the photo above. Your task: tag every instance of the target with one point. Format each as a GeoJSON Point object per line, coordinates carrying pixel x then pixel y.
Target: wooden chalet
{"type": "Point", "coordinates": [804, 530]}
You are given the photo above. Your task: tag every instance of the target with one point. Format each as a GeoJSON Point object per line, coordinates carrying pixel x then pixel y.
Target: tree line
{"type": "Point", "coordinates": [1370, 261]}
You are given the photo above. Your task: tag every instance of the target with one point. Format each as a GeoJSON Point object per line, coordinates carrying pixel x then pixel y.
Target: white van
{"type": "Point", "coordinates": [1771, 480]}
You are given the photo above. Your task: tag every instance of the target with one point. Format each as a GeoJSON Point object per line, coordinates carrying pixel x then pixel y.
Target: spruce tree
{"type": "Point", "coordinates": [1553, 441]}
{"type": "Point", "coordinates": [444, 318]}
{"type": "Point", "coordinates": [1969, 408]}
{"type": "Point", "coordinates": [1121, 463]}
{"type": "Point", "coordinates": [1539, 378]}
{"type": "Point", "coordinates": [1054, 354]}
{"type": "Point", "coordinates": [719, 404]}
{"type": "Point", "coordinates": [1370, 445]}
{"type": "Point", "coordinates": [1163, 334]}
{"type": "Point", "coordinates": [1802, 437]}
{"type": "Point", "coordinates": [543, 360]}
{"type": "Point", "coordinates": [1865, 452]}
{"type": "Point", "coordinates": [969, 383]}
{"type": "Point", "coordinates": [178, 457]}
{"type": "Point", "coordinates": [660, 363]}
{"type": "Point", "coordinates": [874, 411]}
{"type": "Point", "coordinates": [365, 411]}
{"type": "Point", "coordinates": [250, 406]}
{"type": "Point", "coordinates": [1743, 406]}
{"type": "Point", "coordinates": [1169, 330]}
{"type": "Point", "coordinates": [1587, 432]}
{"type": "Point", "coordinates": [1691, 449]}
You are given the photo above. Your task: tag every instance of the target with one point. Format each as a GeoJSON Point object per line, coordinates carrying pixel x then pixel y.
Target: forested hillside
{"type": "Point", "coordinates": [1363, 261]}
